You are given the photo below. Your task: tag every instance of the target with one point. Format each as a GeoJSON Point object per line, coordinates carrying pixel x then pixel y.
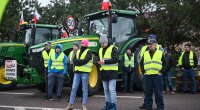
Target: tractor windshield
{"type": "Point", "coordinates": [41, 35]}
{"type": "Point", "coordinates": [121, 31]}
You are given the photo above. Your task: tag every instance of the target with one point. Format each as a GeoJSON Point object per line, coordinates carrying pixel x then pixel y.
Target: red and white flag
{"type": "Point", "coordinates": [21, 20]}
{"type": "Point", "coordinates": [106, 5]}
{"type": "Point", "coordinates": [36, 17]}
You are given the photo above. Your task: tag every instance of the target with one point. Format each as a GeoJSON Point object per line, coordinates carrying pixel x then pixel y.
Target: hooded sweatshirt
{"type": "Point", "coordinates": [54, 70]}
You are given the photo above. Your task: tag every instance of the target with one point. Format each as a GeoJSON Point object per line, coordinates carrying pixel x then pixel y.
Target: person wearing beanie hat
{"type": "Point", "coordinates": [45, 58]}
{"type": "Point", "coordinates": [108, 59]}
{"type": "Point", "coordinates": [128, 64]}
{"type": "Point", "coordinates": [85, 43]}
{"type": "Point", "coordinates": [71, 56]}
{"type": "Point", "coordinates": [103, 39]}
{"type": "Point", "coordinates": [83, 62]}
{"type": "Point", "coordinates": [153, 66]}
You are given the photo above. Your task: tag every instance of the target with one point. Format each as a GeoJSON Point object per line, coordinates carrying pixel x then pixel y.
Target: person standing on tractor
{"type": "Point", "coordinates": [128, 62]}
{"type": "Point", "coordinates": [83, 65]}
{"type": "Point", "coordinates": [108, 59]}
{"type": "Point", "coordinates": [71, 58]}
{"type": "Point", "coordinates": [152, 65]}
{"type": "Point", "coordinates": [187, 62]}
{"type": "Point", "coordinates": [57, 68]}
{"type": "Point", "coordinates": [45, 58]}
{"type": "Point", "coordinates": [140, 55]}
{"type": "Point", "coordinates": [167, 75]}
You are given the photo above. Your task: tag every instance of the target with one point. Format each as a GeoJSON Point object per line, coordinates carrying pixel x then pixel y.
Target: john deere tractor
{"type": "Point", "coordinates": [119, 25]}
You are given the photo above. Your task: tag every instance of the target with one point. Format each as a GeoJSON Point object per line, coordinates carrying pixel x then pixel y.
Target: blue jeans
{"type": "Point", "coordinates": [110, 91]}
{"type": "Point", "coordinates": [153, 83]}
{"type": "Point", "coordinates": [189, 73]}
{"type": "Point", "coordinates": [77, 78]}
{"type": "Point", "coordinates": [131, 76]}
{"type": "Point", "coordinates": [144, 104]}
{"type": "Point", "coordinates": [51, 80]}
{"type": "Point", "coordinates": [169, 83]}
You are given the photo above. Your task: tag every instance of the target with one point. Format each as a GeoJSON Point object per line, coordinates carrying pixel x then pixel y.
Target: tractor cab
{"type": "Point", "coordinates": [39, 33]}
{"type": "Point", "coordinates": [119, 25]}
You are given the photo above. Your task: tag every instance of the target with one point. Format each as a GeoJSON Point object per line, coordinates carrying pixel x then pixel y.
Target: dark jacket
{"type": "Point", "coordinates": [107, 75]}
{"type": "Point", "coordinates": [186, 62]}
{"type": "Point", "coordinates": [128, 69]}
{"type": "Point", "coordinates": [170, 62]}
{"type": "Point", "coordinates": [79, 62]}
{"type": "Point", "coordinates": [151, 54]}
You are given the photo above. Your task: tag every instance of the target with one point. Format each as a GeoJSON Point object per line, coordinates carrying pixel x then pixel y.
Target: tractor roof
{"type": "Point", "coordinates": [24, 26]}
{"type": "Point", "coordinates": [118, 12]}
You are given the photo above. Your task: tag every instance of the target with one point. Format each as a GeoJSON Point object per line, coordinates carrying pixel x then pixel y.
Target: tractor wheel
{"type": "Point", "coordinates": [5, 84]}
{"type": "Point", "coordinates": [94, 80]}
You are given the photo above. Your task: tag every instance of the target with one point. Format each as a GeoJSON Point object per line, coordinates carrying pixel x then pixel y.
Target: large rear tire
{"type": "Point", "coordinates": [94, 80]}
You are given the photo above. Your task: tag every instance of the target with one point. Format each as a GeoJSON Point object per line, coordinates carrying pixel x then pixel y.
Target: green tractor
{"type": "Point", "coordinates": [120, 26]}
{"type": "Point", "coordinates": [32, 35]}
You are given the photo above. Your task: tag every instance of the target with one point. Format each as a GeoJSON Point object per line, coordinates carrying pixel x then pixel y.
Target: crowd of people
{"type": "Point", "coordinates": [156, 64]}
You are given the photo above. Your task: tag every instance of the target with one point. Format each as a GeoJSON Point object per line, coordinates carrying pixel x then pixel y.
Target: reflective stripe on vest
{"type": "Point", "coordinates": [46, 56]}
{"type": "Point", "coordinates": [191, 58]}
{"type": "Point", "coordinates": [128, 62]}
{"type": "Point", "coordinates": [87, 67]}
{"type": "Point", "coordinates": [107, 56]}
{"type": "Point", "coordinates": [57, 63]}
{"type": "Point", "coordinates": [154, 65]}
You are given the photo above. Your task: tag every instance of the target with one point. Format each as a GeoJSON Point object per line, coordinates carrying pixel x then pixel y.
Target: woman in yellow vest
{"type": "Point", "coordinates": [187, 62]}
{"type": "Point", "coordinates": [57, 68]}
{"type": "Point", "coordinates": [83, 66]}
{"type": "Point", "coordinates": [128, 62]}
{"type": "Point", "coordinates": [108, 59]}
{"type": "Point", "coordinates": [152, 65]}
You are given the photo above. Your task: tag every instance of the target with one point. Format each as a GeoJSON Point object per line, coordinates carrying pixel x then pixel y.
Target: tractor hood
{"type": "Point", "coordinates": [68, 42]}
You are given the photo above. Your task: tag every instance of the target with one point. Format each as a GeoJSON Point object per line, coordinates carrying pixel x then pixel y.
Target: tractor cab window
{"type": "Point", "coordinates": [42, 35]}
{"type": "Point", "coordinates": [55, 34]}
{"type": "Point", "coordinates": [98, 26]}
{"type": "Point", "coordinates": [122, 30]}
{"type": "Point", "coordinates": [27, 35]}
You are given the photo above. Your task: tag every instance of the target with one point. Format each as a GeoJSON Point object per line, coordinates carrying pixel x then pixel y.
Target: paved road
{"type": "Point", "coordinates": [32, 99]}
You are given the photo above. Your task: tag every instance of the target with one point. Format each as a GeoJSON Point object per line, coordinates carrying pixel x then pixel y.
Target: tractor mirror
{"type": "Point", "coordinates": [114, 18]}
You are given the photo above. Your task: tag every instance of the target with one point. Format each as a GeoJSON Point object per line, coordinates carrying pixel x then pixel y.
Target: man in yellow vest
{"type": "Point", "coordinates": [108, 59]}
{"type": "Point", "coordinates": [128, 62]}
{"type": "Point", "coordinates": [57, 68]}
{"type": "Point", "coordinates": [83, 65]}
{"type": "Point", "coordinates": [45, 58]}
{"type": "Point", "coordinates": [71, 58]}
{"type": "Point", "coordinates": [188, 61]}
{"type": "Point", "coordinates": [139, 57]}
{"type": "Point", "coordinates": [152, 65]}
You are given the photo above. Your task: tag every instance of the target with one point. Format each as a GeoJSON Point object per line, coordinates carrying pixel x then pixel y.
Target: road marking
{"type": "Point", "coordinates": [37, 108]}
{"type": "Point", "coordinates": [14, 93]}
{"type": "Point", "coordinates": [129, 97]}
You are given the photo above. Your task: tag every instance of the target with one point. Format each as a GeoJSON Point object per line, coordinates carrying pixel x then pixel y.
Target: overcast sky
{"type": "Point", "coordinates": [44, 2]}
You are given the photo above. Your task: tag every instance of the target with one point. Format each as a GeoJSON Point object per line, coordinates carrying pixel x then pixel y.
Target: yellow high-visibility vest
{"type": "Point", "coordinates": [107, 56]}
{"type": "Point", "coordinates": [128, 62]}
{"type": "Point", "coordinates": [57, 63]}
{"type": "Point", "coordinates": [88, 66]}
{"type": "Point", "coordinates": [153, 65]}
{"type": "Point", "coordinates": [70, 56]}
{"type": "Point", "coordinates": [144, 49]}
{"type": "Point", "coordinates": [46, 56]}
{"type": "Point", "coordinates": [191, 58]}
